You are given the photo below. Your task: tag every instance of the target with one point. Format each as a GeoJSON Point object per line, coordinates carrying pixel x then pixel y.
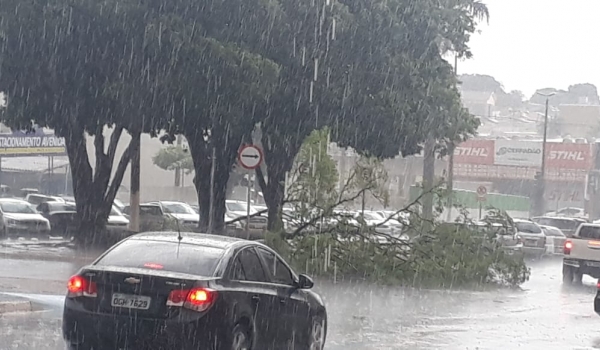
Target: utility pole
{"type": "Point", "coordinates": [178, 169]}
{"type": "Point", "coordinates": [212, 190]}
{"type": "Point", "coordinates": [541, 179]}
{"type": "Point", "coordinates": [428, 177]}
{"type": "Point", "coordinates": [134, 192]}
{"type": "Point", "coordinates": [450, 180]}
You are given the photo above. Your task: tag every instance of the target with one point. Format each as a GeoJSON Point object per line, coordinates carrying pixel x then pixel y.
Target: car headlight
{"type": "Point", "coordinates": [11, 222]}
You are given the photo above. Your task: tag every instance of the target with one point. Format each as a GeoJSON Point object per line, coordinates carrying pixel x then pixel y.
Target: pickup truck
{"type": "Point", "coordinates": [582, 254]}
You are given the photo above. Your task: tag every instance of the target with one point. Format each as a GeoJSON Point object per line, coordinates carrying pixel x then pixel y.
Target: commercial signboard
{"type": "Point", "coordinates": [569, 155]}
{"type": "Point", "coordinates": [518, 153]}
{"type": "Point", "coordinates": [475, 152]}
{"type": "Point", "coordinates": [22, 145]}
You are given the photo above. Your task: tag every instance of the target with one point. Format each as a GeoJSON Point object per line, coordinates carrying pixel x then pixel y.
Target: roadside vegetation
{"type": "Point", "coordinates": [284, 74]}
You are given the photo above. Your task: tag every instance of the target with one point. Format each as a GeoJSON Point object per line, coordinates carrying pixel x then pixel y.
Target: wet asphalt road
{"type": "Point", "coordinates": [545, 315]}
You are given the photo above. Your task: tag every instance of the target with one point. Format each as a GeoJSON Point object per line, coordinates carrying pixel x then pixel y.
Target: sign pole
{"type": "Point", "coordinates": [212, 190]}
{"type": "Point", "coordinates": [480, 206]}
{"type": "Point", "coordinates": [249, 157]}
{"type": "Point", "coordinates": [248, 207]}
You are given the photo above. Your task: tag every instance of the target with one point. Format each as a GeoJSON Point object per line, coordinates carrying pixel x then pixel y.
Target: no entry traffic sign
{"type": "Point", "coordinates": [250, 157]}
{"type": "Point", "coordinates": [481, 193]}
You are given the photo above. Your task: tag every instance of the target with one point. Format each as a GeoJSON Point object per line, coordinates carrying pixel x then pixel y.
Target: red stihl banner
{"type": "Point", "coordinates": [569, 155]}
{"type": "Point", "coordinates": [475, 152]}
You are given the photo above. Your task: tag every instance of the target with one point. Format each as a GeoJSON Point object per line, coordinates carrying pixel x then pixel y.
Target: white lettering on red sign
{"type": "Point", "coordinates": [471, 152]}
{"type": "Point", "coordinates": [566, 155]}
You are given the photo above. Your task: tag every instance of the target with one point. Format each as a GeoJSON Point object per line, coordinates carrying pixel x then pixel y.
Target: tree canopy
{"type": "Point", "coordinates": [372, 71]}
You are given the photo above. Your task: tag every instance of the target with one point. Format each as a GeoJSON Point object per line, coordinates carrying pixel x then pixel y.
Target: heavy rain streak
{"type": "Point", "coordinates": [299, 175]}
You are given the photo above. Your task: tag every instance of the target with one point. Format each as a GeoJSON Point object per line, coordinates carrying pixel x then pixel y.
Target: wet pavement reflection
{"type": "Point", "coordinates": [543, 315]}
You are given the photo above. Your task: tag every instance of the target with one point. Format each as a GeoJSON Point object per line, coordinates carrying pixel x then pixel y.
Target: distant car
{"type": "Point", "coordinates": [567, 225]}
{"type": "Point", "coordinates": [555, 240]}
{"type": "Point", "coordinates": [534, 240]}
{"type": "Point", "coordinates": [180, 211]}
{"type": "Point", "coordinates": [116, 218]}
{"type": "Point", "coordinates": [62, 216]}
{"type": "Point", "coordinates": [237, 209]}
{"type": "Point", "coordinates": [37, 199]}
{"type": "Point", "coordinates": [197, 292]}
{"type": "Point", "coordinates": [573, 212]}
{"type": "Point", "coordinates": [19, 216]}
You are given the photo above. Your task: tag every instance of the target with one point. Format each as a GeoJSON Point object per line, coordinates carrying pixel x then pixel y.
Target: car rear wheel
{"type": "Point", "coordinates": [567, 275]}
{"type": "Point", "coordinates": [577, 277]}
{"type": "Point", "coordinates": [240, 338]}
{"type": "Point", "coordinates": [317, 334]}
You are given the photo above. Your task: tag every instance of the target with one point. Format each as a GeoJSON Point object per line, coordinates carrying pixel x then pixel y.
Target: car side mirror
{"type": "Point", "coordinates": [305, 282]}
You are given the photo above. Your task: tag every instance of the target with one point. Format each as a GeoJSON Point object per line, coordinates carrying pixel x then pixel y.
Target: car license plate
{"type": "Point", "coordinates": [593, 263]}
{"type": "Point", "coordinates": [130, 301]}
{"type": "Point", "coordinates": [531, 242]}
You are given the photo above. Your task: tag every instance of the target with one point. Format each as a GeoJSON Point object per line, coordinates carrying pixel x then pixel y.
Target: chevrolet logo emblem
{"type": "Point", "coordinates": [133, 280]}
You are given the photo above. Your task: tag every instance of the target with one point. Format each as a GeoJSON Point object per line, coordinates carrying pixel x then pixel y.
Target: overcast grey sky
{"type": "Point", "coordinates": [532, 44]}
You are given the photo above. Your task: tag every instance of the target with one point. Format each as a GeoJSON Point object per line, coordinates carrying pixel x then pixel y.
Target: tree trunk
{"type": "Point", "coordinates": [279, 159]}
{"type": "Point", "coordinates": [428, 177]}
{"type": "Point", "coordinates": [93, 191]}
{"type": "Point", "coordinates": [201, 152]}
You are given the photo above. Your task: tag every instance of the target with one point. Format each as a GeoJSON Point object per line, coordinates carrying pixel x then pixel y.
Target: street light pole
{"type": "Point", "coordinates": [541, 203]}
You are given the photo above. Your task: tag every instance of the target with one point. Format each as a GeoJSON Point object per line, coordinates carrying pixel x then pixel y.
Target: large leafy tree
{"type": "Point", "coordinates": [72, 66]}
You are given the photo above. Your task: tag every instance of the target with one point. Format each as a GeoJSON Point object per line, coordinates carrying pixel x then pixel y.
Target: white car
{"type": "Point", "coordinates": [555, 240]}
{"type": "Point", "coordinates": [237, 209]}
{"type": "Point", "coordinates": [116, 218]}
{"type": "Point", "coordinates": [571, 212]}
{"type": "Point", "coordinates": [183, 212]}
{"type": "Point", "coordinates": [19, 216]}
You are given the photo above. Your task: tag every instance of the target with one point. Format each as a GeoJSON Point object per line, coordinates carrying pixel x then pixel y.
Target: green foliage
{"type": "Point", "coordinates": [370, 176]}
{"type": "Point", "coordinates": [174, 157]}
{"type": "Point", "coordinates": [317, 175]}
{"type": "Point", "coordinates": [450, 256]}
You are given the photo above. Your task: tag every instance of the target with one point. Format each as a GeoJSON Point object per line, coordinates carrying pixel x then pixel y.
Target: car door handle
{"type": "Point", "coordinates": [283, 300]}
{"type": "Point", "coordinates": [255, 298]}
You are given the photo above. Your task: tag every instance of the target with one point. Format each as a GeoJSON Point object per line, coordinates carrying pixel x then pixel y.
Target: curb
{"type": "Point", "coordinates": [15, 306]}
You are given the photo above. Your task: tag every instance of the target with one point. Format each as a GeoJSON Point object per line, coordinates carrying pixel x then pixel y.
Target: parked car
{"type": "Point", "coordinates": [36, 199]}
{"type": "Point", "coordinates": [555, 240]}
{"type": "Point", "coordinates": [19, 216]}
{"type": "Point", "coordinates": [532, 236]}
{"type": "Point", "coordinates": [152, 216]}
{"type": "Point", "coordinates": [180, 211]}
{"type": "Point", "coordinates": [193, 291]}
{"type": "Point", "coordinates": [567, 225]}
{"type": "Point", "coordinates": [116, 218]}
{"type": "Point", "coordinates": [571, 212]}
{"type": "Point", "coordinates": [238, 209]}
{"type": "Point", "coordinates": [61, 215]}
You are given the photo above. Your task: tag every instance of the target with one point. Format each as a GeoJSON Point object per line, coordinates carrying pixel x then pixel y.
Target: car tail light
{"type": "Point", "coordinates": [197, 299]}
{"type": "Point", "coordinates": [567, 248]}
{"type": "Point", "coordinates": [80, 286]}
{"type": "Point", "coordinates": [598, 284]}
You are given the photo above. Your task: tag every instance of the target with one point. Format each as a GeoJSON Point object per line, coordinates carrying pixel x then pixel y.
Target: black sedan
{"type": "Point", "coordinates": [194, 291]}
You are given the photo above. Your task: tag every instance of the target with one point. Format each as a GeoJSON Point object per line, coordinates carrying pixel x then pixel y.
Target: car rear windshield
{"type": "Point", "coordinates": [563, 224]}
{"type": "Point", "coordinates": [551, 231]}
{"type": "Point", "coordinates": [528, 227]}
{"type": "Point", "coordinates": [166, 256]}
{"type": "Point", "coordinates": [592, 232]}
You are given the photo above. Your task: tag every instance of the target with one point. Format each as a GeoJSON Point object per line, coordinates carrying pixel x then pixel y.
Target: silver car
{"type": "Point", "coordinates": [534, 240]}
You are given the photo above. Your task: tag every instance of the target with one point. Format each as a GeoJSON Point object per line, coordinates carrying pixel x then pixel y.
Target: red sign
{"type": "Point", "coordinates": [569, 155]}
{"type": "Point", "coordinates": [475, 152]}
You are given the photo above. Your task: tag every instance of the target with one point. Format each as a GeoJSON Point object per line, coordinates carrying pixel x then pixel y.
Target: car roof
{"type": "Point", "coordinates": [14, 200]}
{"type": "Point", "coordinates": [523, 220]}
{"type": "Point", "coordinates": [201, 239]}
{"type": "Point", "coordinates": [556, 217]}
